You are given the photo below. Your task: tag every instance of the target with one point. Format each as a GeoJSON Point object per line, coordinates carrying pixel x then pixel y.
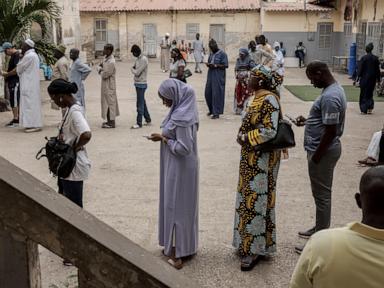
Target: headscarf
{"type": "Point", "coordinates": [183, 112]}
{"type": "Point", "coordinates": [244, 51]}
{"type": "Point", "coordinates": [271, 78]}
{"type": "Point", "coordinates": [276, 44]}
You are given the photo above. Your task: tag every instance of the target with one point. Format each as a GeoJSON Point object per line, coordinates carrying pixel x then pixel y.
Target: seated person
{"type": "Point", "coordinates": [375, 151]}
{"type": "Point", "coordinates": [351, 256]}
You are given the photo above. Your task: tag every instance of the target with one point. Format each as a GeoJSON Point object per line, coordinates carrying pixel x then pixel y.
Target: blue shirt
{"type": "Point", "coordinates": [328, 109]}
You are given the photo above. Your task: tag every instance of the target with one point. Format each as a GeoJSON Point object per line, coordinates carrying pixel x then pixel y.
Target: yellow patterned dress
{"type": "Point", "coordinates": [255, 226]}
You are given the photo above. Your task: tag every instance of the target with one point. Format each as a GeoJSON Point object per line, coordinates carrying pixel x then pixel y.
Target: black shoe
{"type": "Point", "coordinates": [247, 263]}
{"type": "Point", "coordinates": [209, 114]}
{"type": "Point", "coordinates": [307, 234]}
{"type": "Point", "coordinates": [299, 249]}
{"type": "Point", "coordinates": [13, 123]}
{"type": "Point", "coordinates": [215, 117]}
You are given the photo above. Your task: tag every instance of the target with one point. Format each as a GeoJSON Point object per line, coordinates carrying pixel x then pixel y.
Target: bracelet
{"type": "Point", "coordinates": [243, 137]}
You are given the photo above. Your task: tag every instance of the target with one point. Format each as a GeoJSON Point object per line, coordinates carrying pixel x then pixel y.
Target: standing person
{"type": "Point", "coordinates": [369, 74]}
{"type": "Point", "coordinates": [215, 86]}
{"type": "Point", "coordinates": [61, 67]}
{"type": "Point", "coordinates": [198, 53]}
{"type": "Point", "coordinates": [179, 172]}
{"type": "Point", "coordinates": [165, 46]}
{"type": "Point", "coordinates": [78, 73]}
{"type": "Point", "coordinates": [323, 129]}
{"type": "Point", "coordinates": [140, 70]}
{"type": "Point", "coordinates": [177, 66]}
{"type": "Point", "coordinates": [183, 47]}
{"type": "Point", "coordinates": [75, 132]}
{"type": "Point", "coordinates": [265, 50]}
{"type": "Point", "coordinates": [12, 81]}
{"type": "Point", "coordinates": [244, 64]}
{"type": "Point", "coordinates": [278, 62]}
{"type": "Point", "coordinates": [28, 70]}
{"type": "Point", "coordinates": [300, 53]}
{"type": "Point", "coordinates": [282, 49]}
{"type": "Point", "coordinates": [255, 224]}
{"type": "Point", "coordinates": [109, 104]}
{"type": "Point", "coordinates": [173, 45]}
{"type": "Point", "coordinates": [351, 256]}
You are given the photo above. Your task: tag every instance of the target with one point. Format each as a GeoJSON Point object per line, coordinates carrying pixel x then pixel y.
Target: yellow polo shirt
{"type": "Point", "coordinates": [349, 257]}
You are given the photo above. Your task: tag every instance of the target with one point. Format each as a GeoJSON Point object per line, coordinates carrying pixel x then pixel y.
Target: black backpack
{"type": "Point", "coordinates": [61, 156]}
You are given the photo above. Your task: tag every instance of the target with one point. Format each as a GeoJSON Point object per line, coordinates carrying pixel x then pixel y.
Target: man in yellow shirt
{"type": "Point", "coordinates": [353, 256]}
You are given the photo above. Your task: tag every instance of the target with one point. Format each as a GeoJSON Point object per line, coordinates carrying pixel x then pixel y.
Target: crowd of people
{"type": "Point", "coordinates": [259, 76]}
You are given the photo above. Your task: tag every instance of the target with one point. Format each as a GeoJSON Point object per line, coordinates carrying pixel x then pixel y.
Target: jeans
{"type": "Point", "coordinates": [321, 176]}
{"type": "Point", "coordinates": [73, 190]}
{"type": "Point", "coordinates": [141, 107]}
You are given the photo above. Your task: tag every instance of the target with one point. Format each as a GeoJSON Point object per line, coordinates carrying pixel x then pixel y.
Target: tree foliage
{"type": "Point", "coordinates": [18, 16]}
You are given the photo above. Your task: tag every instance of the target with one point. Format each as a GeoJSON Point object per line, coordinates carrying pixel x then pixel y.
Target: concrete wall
{"type": "Point", "coordinates": [240, 28]}
{"type": "Point", "coordinates": [70, 23]}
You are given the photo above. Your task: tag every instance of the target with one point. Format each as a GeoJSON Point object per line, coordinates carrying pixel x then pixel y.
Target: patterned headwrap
{"type": "Point", "coordinates": [271, 78]}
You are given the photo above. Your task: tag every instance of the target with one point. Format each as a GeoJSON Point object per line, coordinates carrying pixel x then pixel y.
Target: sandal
{"type": "Point", "coordinates": [368, 162]}
{"type": "Point", "coordinates": [248, 262]}
{"type": "Point", "coordinates": [177, 263]}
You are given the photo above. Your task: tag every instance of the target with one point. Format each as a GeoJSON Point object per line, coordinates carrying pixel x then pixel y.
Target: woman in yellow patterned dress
{"type": "Point", "coordinates": [255, 228]}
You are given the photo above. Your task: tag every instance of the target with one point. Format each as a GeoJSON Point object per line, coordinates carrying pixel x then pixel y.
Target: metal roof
{"type": "Point", "coordinates": [167, 5]}
{"type": "Point", "coordinates": [292, 7]}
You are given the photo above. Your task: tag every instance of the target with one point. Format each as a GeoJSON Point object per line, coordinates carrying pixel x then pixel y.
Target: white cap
{"type": "Point", "coordinates": [276, 44]}
{"type": "Point", "coordinates": [167, 34]}
{"type": "Point", "coordinates": [30, 43]}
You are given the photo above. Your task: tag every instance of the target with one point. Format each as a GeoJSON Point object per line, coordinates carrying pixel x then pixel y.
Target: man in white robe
{"type": "Point", "coordinates": [28, 70]}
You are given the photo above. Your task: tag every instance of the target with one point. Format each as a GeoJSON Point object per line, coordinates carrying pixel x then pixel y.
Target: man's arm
{"type": "Point", "coordinates": [326, 140]}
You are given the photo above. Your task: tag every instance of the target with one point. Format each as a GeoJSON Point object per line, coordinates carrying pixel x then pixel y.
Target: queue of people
{"type": "Point", "coordinates": [259, 73]}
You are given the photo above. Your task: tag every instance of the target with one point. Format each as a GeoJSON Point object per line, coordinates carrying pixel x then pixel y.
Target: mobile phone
{"type": "Point", "coordinates": [293, 120]}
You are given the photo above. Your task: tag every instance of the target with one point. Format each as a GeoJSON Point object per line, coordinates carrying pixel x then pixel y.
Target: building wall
{"type": "Point", "coordinates": [293, 27]}
{"type": "Point", "coordinates": [240, 28]}
{"type": "Point", "coordinates": [70, 23]}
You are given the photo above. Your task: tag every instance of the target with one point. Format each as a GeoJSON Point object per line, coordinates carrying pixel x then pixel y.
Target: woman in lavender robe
{"type": "Point", "coordinates": [179, 171]}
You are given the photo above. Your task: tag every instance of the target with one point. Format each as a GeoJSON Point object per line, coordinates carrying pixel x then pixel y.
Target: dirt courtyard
{"type": "Point", "coordinates": [123, 186]}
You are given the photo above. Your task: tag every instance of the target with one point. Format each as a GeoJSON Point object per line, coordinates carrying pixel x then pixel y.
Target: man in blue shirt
{"type": "Point", "coordinates": [323, 129]}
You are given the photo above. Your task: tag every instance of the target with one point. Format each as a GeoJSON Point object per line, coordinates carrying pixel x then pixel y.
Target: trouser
{"type": "Point", "coordinates": [366, 98]}
{"type": "Point", "coordinates": [197, 66]}
{"type": "Point", "coordinates": [381, 153]}
{"type": "Point", "coordinates": [321, 177]}
{"type": "Point", "coordinates": [141, 107]}
{"type": "Point", "coordinates": [73, 190]}
{"type": "Point", "coordinates": [300, 55]}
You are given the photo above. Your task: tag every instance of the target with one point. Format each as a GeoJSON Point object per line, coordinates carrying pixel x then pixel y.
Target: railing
{"type": "Point", "coordinates": [31, 213]}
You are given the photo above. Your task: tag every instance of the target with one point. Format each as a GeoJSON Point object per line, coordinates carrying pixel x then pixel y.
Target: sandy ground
{"type": "Point", "coordinates": [123, 187]}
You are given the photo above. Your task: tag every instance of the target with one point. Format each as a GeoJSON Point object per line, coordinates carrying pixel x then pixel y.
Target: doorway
{"type": "Point", "coordinates": [325, 41]}
{"type": "Point", "coordinates": [217, 32]}
{"type": "Point", "coordinates": [150, 40]}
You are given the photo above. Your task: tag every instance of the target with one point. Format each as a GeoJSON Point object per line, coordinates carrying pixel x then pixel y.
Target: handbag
{"type": "Point", "coordinates": [284, 139]}
{"type": "Point", "coordinates": [61, 156]}
{"type": "Point", "coordinates": [187, 73]}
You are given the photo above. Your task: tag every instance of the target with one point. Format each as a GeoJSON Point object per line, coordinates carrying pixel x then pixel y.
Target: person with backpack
{"type": "Point", "coordinates": [75, 131]}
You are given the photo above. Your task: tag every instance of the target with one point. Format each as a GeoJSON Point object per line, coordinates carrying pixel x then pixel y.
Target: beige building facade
{"type": "Point", "coordinates": [231, 28]}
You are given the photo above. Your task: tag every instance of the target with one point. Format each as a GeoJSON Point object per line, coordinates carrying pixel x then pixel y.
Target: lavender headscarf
{"type": "Point", "coordinates": [183, 112]}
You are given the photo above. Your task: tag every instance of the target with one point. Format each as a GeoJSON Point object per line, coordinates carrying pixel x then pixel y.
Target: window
{"type": "Point", "coordinates": [381, 43]}
{"type": "Point", "coordinates": [373, 29]}
{"type": "Point", "coordinates": [348, 29]}
{"type": "Point", "coordinates": [325, 35]}
{"type": "Point", "coordinates": [192, 29]}
{"type": "Point", "coordinates": [101, 30]}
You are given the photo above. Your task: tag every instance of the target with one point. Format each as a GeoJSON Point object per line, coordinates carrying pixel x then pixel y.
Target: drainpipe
{"type": "Point", "coordinates": [174, 24]}
{"type": "Point", "coordinates": [305, 5]}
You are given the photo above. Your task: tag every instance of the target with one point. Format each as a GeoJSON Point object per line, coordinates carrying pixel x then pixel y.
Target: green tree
{"type": "Point", "coordinates": [17, 17]}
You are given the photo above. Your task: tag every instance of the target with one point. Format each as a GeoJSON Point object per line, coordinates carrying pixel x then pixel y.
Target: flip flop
{"type": "Point", "coordinates": [177, 263]}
